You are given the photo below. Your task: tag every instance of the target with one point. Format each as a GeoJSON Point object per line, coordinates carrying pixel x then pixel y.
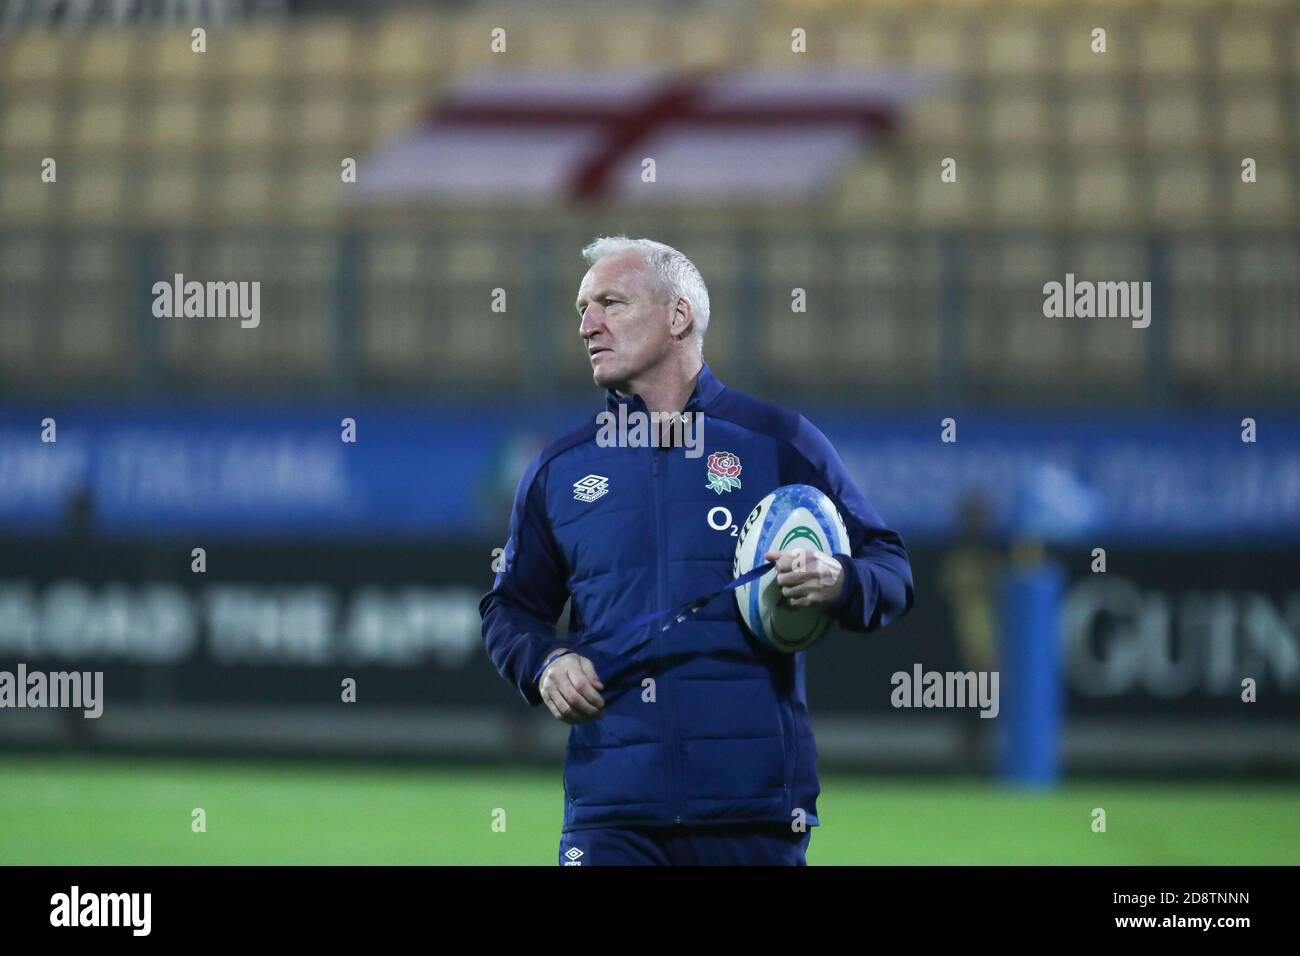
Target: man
{"type": "Point", "coordinates": [701, 752]}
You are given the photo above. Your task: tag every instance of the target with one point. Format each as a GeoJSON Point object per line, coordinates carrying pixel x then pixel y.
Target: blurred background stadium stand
{"type": "Point", "coordinates": [925, 301]}
{"type": "Point", "coordinates": [1068, 161]}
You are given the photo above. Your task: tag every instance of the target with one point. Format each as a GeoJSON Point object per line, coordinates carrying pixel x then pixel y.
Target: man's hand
{"type": "Point", "coordinates": [571, 689]}
{"type": "Point", "coordinates": [808, 578]}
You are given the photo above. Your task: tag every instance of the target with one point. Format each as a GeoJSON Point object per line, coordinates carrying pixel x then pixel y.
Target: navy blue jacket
{"type": "Point", "coordinates": [707, 726]}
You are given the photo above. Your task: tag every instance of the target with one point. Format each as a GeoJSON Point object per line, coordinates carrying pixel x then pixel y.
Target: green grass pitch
{"type": "Point", "coordinates": [92, 811]}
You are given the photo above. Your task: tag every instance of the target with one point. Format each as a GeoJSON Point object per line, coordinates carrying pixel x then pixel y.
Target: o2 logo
{"type": "Point", "coordinates": [720, 520]}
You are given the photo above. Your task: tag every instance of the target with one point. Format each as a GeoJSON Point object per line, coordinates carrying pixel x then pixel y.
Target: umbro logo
{"type": "Point", "coordinates": [573, 853]}
{"type": "Point", "coordinates": [590, 488]}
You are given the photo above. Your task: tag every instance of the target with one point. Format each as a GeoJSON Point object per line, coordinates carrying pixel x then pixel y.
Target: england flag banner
{"type": "Point", "coordinates": [639, 137]}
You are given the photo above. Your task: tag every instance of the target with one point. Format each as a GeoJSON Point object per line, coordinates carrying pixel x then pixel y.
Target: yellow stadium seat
{"type": "Point", "coordinates": [1262, 6]}
{"type": "Point", "coordinates": [1271, 199]}
{"type": "Point", "coordinates": [1103, 191]}
{"type": "Point", "coordinates": [768, 44]}
{"type": "Point", "coordinates": [940, 203]}
{"type": "Point", "coordinates": [471, 46]}
{"type": "Point", "coordinates": [1075, 44]}
{"type": "Point", "coordinates": [706, 40]}
{"type": "Point", "coordinates": [397, 110]}
{"type": "Point", "coordinates": [943, 44]}
{"type": "Point", "coordinates": [1026, 190]}
{"type": "Point", "coordinates": [1019, 119]}
{"type": "Point", "coordinates": [1169, 47]}
{"type": "Point", "coordinates": [473, 261]}
{"type": "Point", "coordinates": [406, 47]}
{"type": "Point", "coordinates": [254, 54]}
{"type": "Point", "coordinates": [170, 194]}
{"type": "Point", "coordinates": [1097, 117]}
{"type": "Point", "coordinates": [1252, 117]}
{"type": "Point", "coordinates": [318, 190]}
{"type": "Point", "coordinates": [244, 193]}
{"type": "Point", "coordinates": [106, 55]}
{"type": "Point", "coordinates": [1018, 47]}
{"type": "Point", "coordinates": [874, 191]}
{"type": "Point", "coordinates": [96, 193]}
{"type": "Point", "coordinates": [542, 43]}
{"type": "Point", "coordinates": [171, 54]}
{"type": "Point", "coordinates": [321, 48]}
{"type": "Point", "coordinates": [1182, 192]}
{"type": "Point", "coordinates": [24, 199]}
{"type": "Point", "coordinates": [35, 57]}
{"type": "Point", "coordinates": [1247, 48]}
{"type": "Point", "coordinates": [173, 125]}
{"type": "Point", "coordinates": [319, 120]}
{"type": "Point", "coordinates": [1174, 116]}
{"type": "Point", "coordinates": [101, 122]}
{"type": "Point", "coordinates": [249, 122]}
{"type": "Point", "coordinates": [30, 124]}
{"type": "Point", "coordinates": [943, 121]}
{"type": "Point", "coordinates": [863, 45]}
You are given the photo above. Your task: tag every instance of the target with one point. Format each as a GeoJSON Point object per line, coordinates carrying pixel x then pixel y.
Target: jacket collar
{"type": "Point", "coordinates": [707, 388]}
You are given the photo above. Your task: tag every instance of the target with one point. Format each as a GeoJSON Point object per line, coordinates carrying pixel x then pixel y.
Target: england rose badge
{"type": "Point", "coordinates": [724, 471]}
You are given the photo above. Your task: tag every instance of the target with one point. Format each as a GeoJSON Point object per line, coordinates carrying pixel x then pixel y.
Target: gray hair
{"type": "Point", "coordinates": [677, 274]}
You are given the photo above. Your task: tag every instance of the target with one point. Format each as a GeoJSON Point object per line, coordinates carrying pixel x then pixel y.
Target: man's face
{"type": "Point", "coordinates": [625, 322]}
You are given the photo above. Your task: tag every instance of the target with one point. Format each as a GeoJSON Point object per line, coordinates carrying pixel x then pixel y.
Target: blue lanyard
{"type": "Point", "coordinates": [655, 622]}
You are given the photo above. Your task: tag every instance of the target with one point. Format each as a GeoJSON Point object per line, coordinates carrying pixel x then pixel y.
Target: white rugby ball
{"type": "Point", "coordinates": [793, 516]}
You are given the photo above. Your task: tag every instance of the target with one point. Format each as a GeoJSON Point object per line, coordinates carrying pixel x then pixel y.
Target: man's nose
{"type": "Point", "coordinates": [592, 321]}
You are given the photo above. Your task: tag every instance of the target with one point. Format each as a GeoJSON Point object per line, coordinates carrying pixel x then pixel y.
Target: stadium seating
{"type": "Point", "coordinates": [1144, 140]}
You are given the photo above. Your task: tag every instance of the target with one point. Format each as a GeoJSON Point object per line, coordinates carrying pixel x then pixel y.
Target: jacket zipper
{"type": "Point", "coordinates": [792, 765]}
{"type": "Point", "coordinates": [661, 584]}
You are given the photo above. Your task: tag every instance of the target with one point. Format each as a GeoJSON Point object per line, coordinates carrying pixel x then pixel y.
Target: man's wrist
{"type": "Point", "coordinates": [847, 583]}
{"type": "Point", "coordinates": [550, 659]}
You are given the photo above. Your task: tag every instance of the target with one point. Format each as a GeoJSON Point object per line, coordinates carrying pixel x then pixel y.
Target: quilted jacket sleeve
{"type": "Point", "coordinates": [520, 612]}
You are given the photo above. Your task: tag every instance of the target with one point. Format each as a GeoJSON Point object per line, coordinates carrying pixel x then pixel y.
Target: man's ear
{"type": "Point", "coordinates": [682, 320]}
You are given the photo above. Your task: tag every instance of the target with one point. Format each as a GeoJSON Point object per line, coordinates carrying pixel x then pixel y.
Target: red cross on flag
{"type": "Point", "coordinates": [548, 136]}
